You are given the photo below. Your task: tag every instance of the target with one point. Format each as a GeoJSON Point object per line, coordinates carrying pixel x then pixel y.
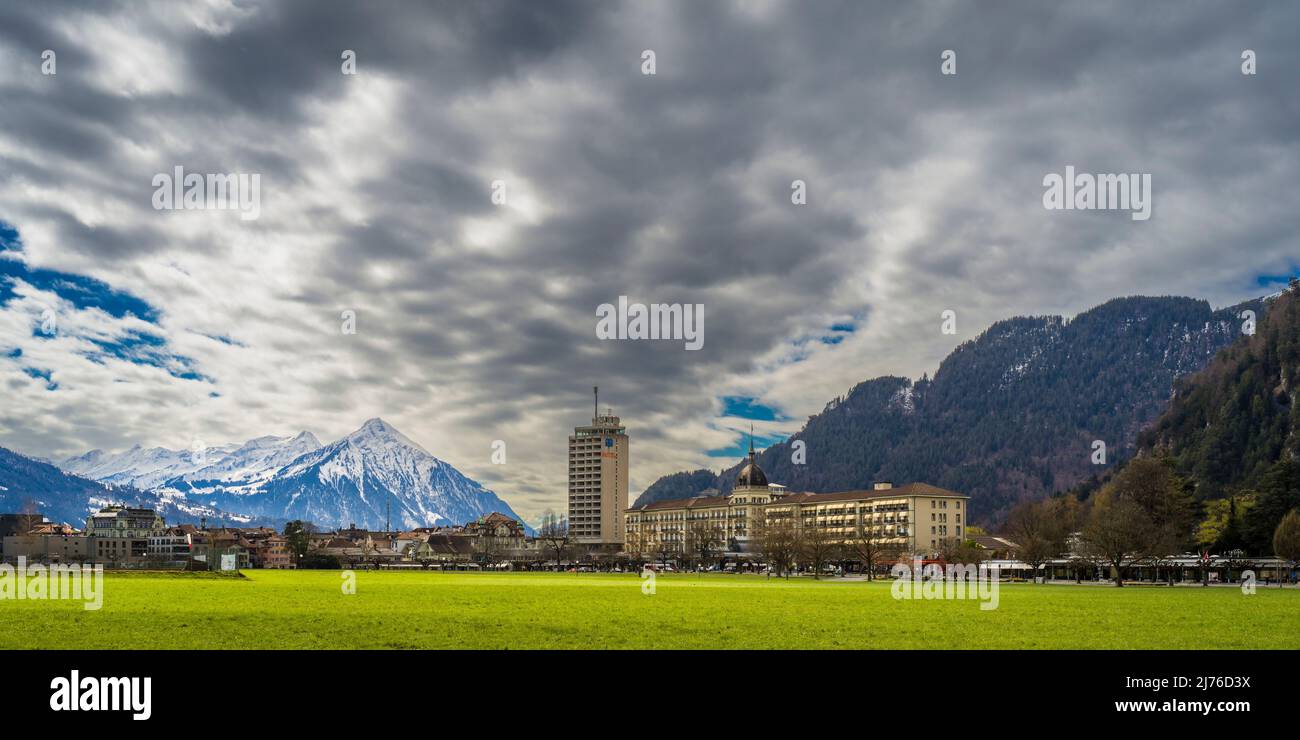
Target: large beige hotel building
{"type": "Point", "coordinates": [918, 518]}
{"type": "Point", "coordinates": [598, 481]}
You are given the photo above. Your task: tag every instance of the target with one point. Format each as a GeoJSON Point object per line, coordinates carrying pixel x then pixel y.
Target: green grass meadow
{"type": "Point", "coordinates": [308, 609]}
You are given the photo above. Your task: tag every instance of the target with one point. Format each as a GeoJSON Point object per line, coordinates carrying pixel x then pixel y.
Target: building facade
{"type": "Point", "coordinates": [598, 481]}
{"type": "Point", "coordinates": [121, 534]}
{"type": "Point", "coordinates": [274, 553]}
{"type": "Point", "coordinates": [916, 518]}
{"type": "Point", "coordinates": [173, 543]}
{"type": "Point", "coordinates": [52, 548]}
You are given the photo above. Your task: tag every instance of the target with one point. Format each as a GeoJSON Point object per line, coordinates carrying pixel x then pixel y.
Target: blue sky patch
{"type": "Point", "coordinates": [748, 408]}
{"type": "Point", "coordinates": [838, 332]}
{"type": "Point", "coordinates": [136, 347]}
{"type": "Point", "coordinates": [223, 339]}
{"type": "Point", "coordinates": [741, 447]}
{"type": "Point", "coordinates": [79, 290]}
{"type": "Point", "coordinates": [8, 237]}
{"type": "Point", "coordinates": [140, 348]}
{"type": "Point", "coordinates": [1277, 281]}
{"type": "Point", "coordinates": [46, 375]}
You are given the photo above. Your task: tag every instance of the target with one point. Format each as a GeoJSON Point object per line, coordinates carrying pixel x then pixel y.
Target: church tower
{"type": "Point", "coordinates": [751, 485]}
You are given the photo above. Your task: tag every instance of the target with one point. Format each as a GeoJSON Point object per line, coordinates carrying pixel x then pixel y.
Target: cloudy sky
{"type": "Point", "coordinates": [475, 321]}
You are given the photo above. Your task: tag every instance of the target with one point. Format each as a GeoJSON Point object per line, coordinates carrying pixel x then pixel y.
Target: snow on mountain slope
{"type": "Point", "coordinates": [247, 467]}
{"type": "Point", "coordinates": [372, 476]}
{"type": "Point", "coordinates": [68, 498]}
{"type": "Point", "coordinates": [157, 467]}
{"type": "Point", "coordinates": [141, 467]}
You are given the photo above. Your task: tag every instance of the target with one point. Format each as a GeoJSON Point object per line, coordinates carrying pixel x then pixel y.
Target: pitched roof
{"type": "Point", "coordinates": [699, 502]}
{"type": "Point", "coordinates": [450, 544]}
{"type": "Point", "coordinates": [52, 528]}
{"type": "Point", "coordinates": [993, 542]}
{"type": "Point", "coordinates": [496, 517]}
{"type": "Point", "coordinates": [911, 489]}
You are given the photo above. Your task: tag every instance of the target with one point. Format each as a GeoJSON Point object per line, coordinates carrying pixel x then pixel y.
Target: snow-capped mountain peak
{"type": "Point", "coordinates": [377, 476]}
{"type": "Point", "coordinates": [372, 477]}
{"type": "Point", "coordinates": [377, 433]}
{"type": "Point", "coordinates": [250, 464]}
{"type": "Point", "coordinates": [149, 468]}
{"type": "Point", "coordinates": [141, 467]}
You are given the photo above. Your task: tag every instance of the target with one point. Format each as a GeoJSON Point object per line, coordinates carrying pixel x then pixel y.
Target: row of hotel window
{"type": "Point", "coordinates": [822, 516]}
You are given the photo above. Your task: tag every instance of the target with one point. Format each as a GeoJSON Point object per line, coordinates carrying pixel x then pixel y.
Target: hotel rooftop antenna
{"type": "Point", "coordinates": [598, 480]}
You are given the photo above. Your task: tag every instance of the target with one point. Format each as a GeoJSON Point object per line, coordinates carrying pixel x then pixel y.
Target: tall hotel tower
{"type": "Point", "coordinates": [598, 480]}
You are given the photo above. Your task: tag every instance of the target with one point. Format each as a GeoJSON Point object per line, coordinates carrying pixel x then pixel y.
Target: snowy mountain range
{"type": "Point", "coordinates": [238, 467]}
{"type": "Point", "coordinates": [138, 467]}
{"type": "Point", "coordinates": [32, 485]}
{"type": "Point", "coordinates": [373, 476]}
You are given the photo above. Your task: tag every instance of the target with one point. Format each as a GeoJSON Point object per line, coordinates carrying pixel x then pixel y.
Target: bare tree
{"type": "Point", "coordinates": [964, 552]}
{"type": "Point", "coordinates": [778, 542]}
{"type": "Point", "coordinates": [663, 547]}
{"type": "Point", "coordinates": [1168, 508]}
{"type": "Point", "coordinates": [1150, 512]}
{"type": "Point", "coordinates": [637, 543]}
{"type": "Point", "coordinates": [703, 538]}
{"type": "Point", "coordinates": [554, 537]}
{"type": "Point", "coordinates": [1040, 529]}
{"type": "Point", "coordinates": [1286, 540]}
{"type": "Point", "coordinates": [1115, 531]}
{"type": "Point", "coordinates": [869, 547]}
{"type": "Point", "coordinates": [816, 546]}
{"type": "Point", "coordinates": [1082, 560]}
{"type": "Point", "coordinates": [29, 516]}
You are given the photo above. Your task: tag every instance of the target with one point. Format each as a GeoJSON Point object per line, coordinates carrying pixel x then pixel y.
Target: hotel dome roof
{"type": "Point", "coordinates": [751, 475]}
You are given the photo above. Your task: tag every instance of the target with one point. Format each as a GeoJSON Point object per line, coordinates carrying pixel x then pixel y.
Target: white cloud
{"type": "Point", "coordinates": [475, 322]}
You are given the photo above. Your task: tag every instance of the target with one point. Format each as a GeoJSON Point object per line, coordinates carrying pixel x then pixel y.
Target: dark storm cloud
{"type": "Point", "coordinates": [291, 50]}
{"type": "Point", "coordinates": [924, 191]}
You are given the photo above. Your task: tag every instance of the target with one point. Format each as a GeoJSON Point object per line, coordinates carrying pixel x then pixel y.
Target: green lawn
{"type": "Point", "coordinates": [307, 609]}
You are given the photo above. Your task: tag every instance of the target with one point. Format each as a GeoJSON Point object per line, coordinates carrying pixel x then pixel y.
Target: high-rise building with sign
{"type": "Point", "coordinates": [598, 457]}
